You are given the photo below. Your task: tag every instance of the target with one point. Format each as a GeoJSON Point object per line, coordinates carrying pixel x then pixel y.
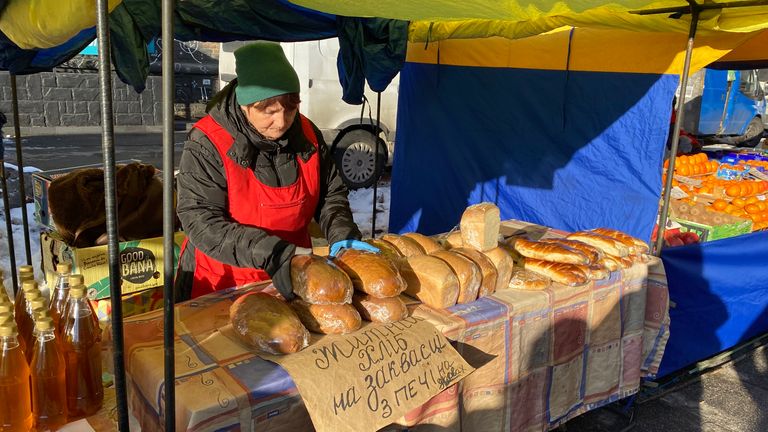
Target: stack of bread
{"type": "Point", "coordinates": [377, 283]}
{"type": "Point", "coordinates": [578, 258]}
{"type": "Point", "coordinates": [324, 295]}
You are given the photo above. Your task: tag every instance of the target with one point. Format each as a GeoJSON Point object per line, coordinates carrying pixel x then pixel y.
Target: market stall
{"type": "Point", "coordinates": [542, 357]}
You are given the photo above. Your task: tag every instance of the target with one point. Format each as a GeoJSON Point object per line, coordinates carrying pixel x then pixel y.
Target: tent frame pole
{"type": "Point", "coordinates": [20, 167]}
{"type": "Point", "coordinates": [676, 131]}
{"type": "Point", "coordinates": [8, 223]}
{"type": "Point", "coordinates": [168, 215]}
{"type": "Point", "coordinates": [376, 162]}
{"type": "Point", "coordinates": [110, 204]}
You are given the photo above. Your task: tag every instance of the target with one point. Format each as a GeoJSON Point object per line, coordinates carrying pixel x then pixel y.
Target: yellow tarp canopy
{"type": "Point", "coordinates": [443, 19]}
{"type": "Point", "coordinates": [32, 24]}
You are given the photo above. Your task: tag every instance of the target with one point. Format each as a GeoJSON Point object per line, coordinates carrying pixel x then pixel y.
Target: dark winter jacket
{"type": "Point", "coordinates": [202, 195]}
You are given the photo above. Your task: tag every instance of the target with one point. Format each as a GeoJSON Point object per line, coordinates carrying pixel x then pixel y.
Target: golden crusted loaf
{"type": "Point", "coordinates": [327, 319]}
{"type": "Point", "coordinates": [268, 324]}
{"type": "Point", "coordinates": [467, 273]}
{"type": "Point", "coordinates": [380, 310]}
{"type": "Point", "coordinates": [371, 273]}
{"type": "Point", "coordinates": [317, 280]}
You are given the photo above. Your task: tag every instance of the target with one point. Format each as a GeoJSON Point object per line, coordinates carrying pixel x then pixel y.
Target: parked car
{"type": "Point", "coordinates": [728, 105]}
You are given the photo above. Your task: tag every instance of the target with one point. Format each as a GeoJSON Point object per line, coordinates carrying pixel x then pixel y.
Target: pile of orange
{"type": "Point", "coordinates": [748, 208]}
{"type": "Point", "coordinates": [755, 163]}
{"type": "Point", "coordinates": [745, 188]}
{"type": "Point", "coordinates": [694, 165]}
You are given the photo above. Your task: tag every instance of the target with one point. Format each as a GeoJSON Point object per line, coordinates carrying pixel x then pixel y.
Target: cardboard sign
{"type": "Point", "coordinates": [365, 380]}
{"type": "Point", "coordinates": [688, 181]}
{"type": "Point", "coordinates": [758, 175]}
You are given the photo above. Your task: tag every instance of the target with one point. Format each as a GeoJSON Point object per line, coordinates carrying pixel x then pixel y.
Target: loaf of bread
{"type": "Point", "coordinates": [504, 264]}
{"type": "Point", "coordinates": [267, 324]}
{"type": "Point", "coordinates": [467, 273]}
{"type": "Point", "coordinates": [553, 252]}
{"type": "Point", "coordinates": [386, 248]}
{"type": "Point", "coordinates": [371, 273]}
{"type": "Point", "coordinates": [317, 280]}
{"type": "Point", "coordinates": [487, 269]}
{"type": "Point", "coordinates": [427, 243]}
{"type": "Point", "coordinates": [597, 272]}
{"type": "Point", "coordinates": [609, 263]}
{"type": "Point", "coordinates": [593, 254]}
{"type": "Point", "coordinates": [605, 244]}
{"type": "Point", "coordinates": [452, 240]}
{"type": "Point", "coordinates": [480, 225]}
{"type": "Point", "coordinates": [639, 245]}
{"type": "Point", "coordinates": [527, 280]}
{"type": "Point", "coordinates": [380, 310]}
{"type": "Point", "coordinates": [431, 280]}
{"type": "Point", "coordinates": [407, 247]}
{"type": "Point", "coordinates": [566, 274]}
{"type": "Point", "coordinates": [327, 319]}
{"type": "Point", "coordinates": [623, 262]}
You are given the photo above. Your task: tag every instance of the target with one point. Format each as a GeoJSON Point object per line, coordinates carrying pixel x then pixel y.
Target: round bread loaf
{"type": "Point", "coordinates": [407, 246]}
{"type": "Point", "coordinates": [327, 319]}
{"type": "Point", "coordinates": [427, 243]}
{"type": "Point", "coordinates": [371, 273]}
{"type": "Point", "coordinates": [527, 280]}
{"type": "Point", "coordinates": [387, 249]}
{"type": "Point", "coordinates": [380, 310]}
{"type": "Point", "coordinates": [268, 324]}
{"type": "Point", "coordinates": [317, 280]}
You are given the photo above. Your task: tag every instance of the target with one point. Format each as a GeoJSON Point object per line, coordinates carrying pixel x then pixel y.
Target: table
{"type": "Point", "coordinates": [543, 357]}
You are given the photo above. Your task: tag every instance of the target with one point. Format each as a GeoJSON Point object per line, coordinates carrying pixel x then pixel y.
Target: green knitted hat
{"type": "Point", "coordinates": [263, 72]}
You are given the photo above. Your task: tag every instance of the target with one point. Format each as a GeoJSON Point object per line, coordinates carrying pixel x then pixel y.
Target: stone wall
{"type": "Point", "coordinates": [52, 99]}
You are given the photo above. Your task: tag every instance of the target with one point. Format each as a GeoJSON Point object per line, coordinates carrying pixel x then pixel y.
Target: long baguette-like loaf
{"type": "Point", "coordinates": [371, 273]}
{"type": "Point", "coordinates": [268, 324]}
{"type": "Point", "coordinates": [504, 264]}
{"type": "Point", "coordinates": [487, 269]}
{"type": "Point", "coordinates": [527, 280]}
{"type": "Point", "coordinates": [327, 319]}
{"type": "Point", "coordinates": [427, 243]}
{"type": "Point", "coordinates": [566, 274]}
{"type": "Point", "coordinates": [640, 246]}
{"type": "Point", "coordinates": [480, 226]}
{"type": "Point", "coordinates": [623, 262]}
{"type": "Point", "coordinates": [407, 247]}
{"type": "Point", "coordinates": [431, 280]}
{"type": "Point", "coordinates": [597, 272]}
{"type": "Point", "coordinates": [380, 310]}
{"type": "Point", "coordinates": [593, 254]}
{"type": "Point", "coordinates": [550, 252]}
{"type": "Point", "coordinates": [609, 263]}
{"type": "Point", "coordinates": [317, 280]}
{"type": "Point", "coordinates": [467, 272]}
{"type": "Point", "coordinates": [605, 244]}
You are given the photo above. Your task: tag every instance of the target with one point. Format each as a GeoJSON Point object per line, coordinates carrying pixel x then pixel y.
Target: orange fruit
{"type": "Point", "coordinates": [744, 189]}
{"type": "Point", "coordinates": [752, 208]}
{"type": "Point", "coordinates": [720, 204]}
{"type": "Point", "coordinates": [732, 190]}
{"type": "Point", "coordinates": [752, 200]}
{"type": "Point", "coordinates": [739, 202]}
{"type": "Point", "coordinates": [684, 170]}
{"type": "Point", "coordinates": [762, 205]}
{"type": "Point", "coordinates": [695, 169]}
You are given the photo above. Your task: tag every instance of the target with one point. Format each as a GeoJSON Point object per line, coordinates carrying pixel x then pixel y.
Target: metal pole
{"type": "Point", "coordinates": [8, 224]}
{"type": "Point", "coordinates": [168, 216]}
{"type": "Point", "coordinates": [110, 204]}
{"type": "Point", "coordinates": [676, 131]}
{"type": "Point", "coordinates": [376, 161]}
{"type": "Point", "coordinates": [20, 166]}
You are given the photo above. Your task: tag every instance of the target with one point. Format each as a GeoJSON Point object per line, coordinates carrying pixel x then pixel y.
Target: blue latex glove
{"type": "Point", "coordinates": [352, 244]}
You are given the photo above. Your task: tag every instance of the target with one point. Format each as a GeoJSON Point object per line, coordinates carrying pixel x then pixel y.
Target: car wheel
{"type": "Point", "coordinates": [752, 135]}
{"type": "Point", "coordinates": [355, 158]}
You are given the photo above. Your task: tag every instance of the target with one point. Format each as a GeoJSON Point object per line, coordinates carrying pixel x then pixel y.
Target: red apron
{"type": "Point", "coordinates": [284, 211]}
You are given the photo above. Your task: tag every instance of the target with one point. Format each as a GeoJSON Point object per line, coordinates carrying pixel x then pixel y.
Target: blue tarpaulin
{"type": "Point", "coordinates": [720, 295]}
{"type": "Point", "coordinates": [566, 149]}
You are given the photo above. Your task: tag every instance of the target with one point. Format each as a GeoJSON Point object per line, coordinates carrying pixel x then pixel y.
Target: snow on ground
{"type": "Point", "coordinates": [18, 245]}
{"type": "Point", "coordinates": [361, 201]}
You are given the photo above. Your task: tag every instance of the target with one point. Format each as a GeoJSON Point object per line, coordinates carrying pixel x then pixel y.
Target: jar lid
{"type": "Point", "coordinates": [7, 330]}
{"type": "Point", "coordinates": [43, 324]}
{"type": "Point", "coordinates": [29, 284]}
{"type": "Point", "coordinates": [63, 268]}
{"type": "Point", "coordinates": [76, 280]}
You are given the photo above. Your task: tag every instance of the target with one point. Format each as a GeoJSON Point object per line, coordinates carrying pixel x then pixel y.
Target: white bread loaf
{"type": "Point", "coordinates": [430, 280]}
{"type": "Point", "coordinates": [452, 240]}
{"type": "Point", "coordinates": [566, 274]}
{"type": "Point", "coordinates": [467, 272]}
{"type": "Point", "coordinates": [504, 264]}
{"type": "Point", "coordinates": [427, 243]}
{"type": "Point", "coordinates": [480, 226]}
{"type": "Point", "coordinates": [487, 269]}
{"type": "Point", "coordinates": [407, 247]}
{"type": "Point", "coordinates": [550, 252]}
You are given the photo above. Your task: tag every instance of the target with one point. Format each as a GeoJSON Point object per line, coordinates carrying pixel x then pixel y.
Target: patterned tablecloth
{"type": "Point", "coordinates": [543, 357]}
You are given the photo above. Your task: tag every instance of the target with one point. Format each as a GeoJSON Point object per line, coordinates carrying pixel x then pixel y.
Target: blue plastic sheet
{"type": "Point", "coordinates": [570, 150]}
{"type": "Point", "coordinates": [720, 294]}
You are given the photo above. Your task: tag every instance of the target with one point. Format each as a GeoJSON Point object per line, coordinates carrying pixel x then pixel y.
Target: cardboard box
{"type": "Point", "coordinates": [716, 232]}
{"type": "Point", "coordinates": [141, 263]}
{"type": "Point", "coordinates": [42, 180]}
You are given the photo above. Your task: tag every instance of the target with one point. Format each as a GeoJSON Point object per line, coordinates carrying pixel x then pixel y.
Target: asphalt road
{"type": "Point", "coordinates": [69, 150]}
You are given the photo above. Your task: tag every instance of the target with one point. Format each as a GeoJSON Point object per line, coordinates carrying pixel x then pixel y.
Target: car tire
{"type": "Point", "coordinates": [354, 157]}
{"type": "Point", "coordinates": [752, 135]}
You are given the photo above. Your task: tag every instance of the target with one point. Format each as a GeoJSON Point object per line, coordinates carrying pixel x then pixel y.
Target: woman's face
{"type": "Point", "coordinates": [271, 121]}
